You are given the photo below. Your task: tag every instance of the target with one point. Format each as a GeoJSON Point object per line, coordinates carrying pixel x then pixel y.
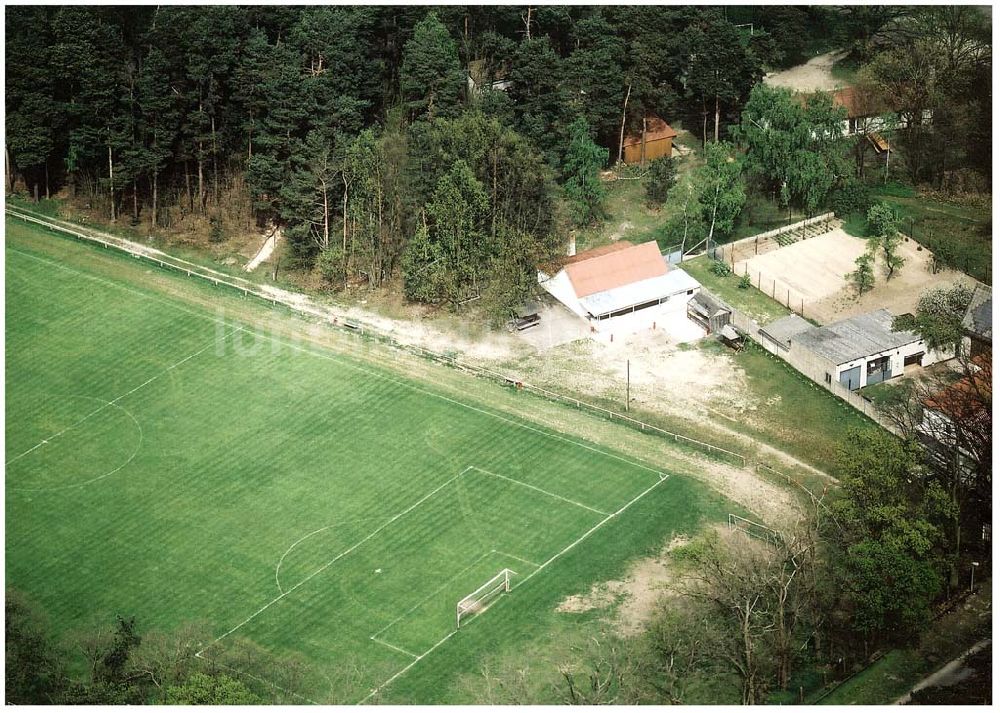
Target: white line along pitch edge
{"type": "Point", "coordinates": [545, 564]}
{"type": "Point", "coordinates": [416, 606]}
{"type": "Point", "coordinates": [127, 393]}
{"type": "Point", "coordinates": [540, 490]}
{"type": "Point", "coordinates": [349, 363]}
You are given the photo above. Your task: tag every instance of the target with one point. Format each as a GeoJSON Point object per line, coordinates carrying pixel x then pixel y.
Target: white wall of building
{"type": "Point", "coordinates": [669, 316]}
{"type": "Point", "coordinates": [561, 288]}
{"type": "Point", "coordinates": [896, 359]}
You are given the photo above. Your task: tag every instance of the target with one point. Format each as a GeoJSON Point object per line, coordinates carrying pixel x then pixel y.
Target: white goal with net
{"type": "Point", "coordinates": [479, 600]}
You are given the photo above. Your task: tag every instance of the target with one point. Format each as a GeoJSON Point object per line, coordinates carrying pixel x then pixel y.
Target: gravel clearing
{"type": "Point", "coordinates": [814, 75]}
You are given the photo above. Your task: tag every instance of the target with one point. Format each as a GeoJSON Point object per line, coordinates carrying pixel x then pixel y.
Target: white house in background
{"type": "Point", "coordinates": [624, 289]}
{"type": "Point", "coordinates": [856, 352]}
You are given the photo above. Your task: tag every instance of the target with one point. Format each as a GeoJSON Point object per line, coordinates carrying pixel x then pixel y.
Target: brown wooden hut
{"type": "Point", "coordinates": [656, 139]}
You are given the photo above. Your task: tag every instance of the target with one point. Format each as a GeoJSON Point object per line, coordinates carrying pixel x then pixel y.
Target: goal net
{"type": "Point", "coordinates": [479, 600]}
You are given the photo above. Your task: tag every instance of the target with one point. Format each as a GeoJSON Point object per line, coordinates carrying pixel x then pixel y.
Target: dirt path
{"type": "Point", "coordinates": [814, 75]}
{"type": "Point", "coordinates": [270, 243]}
{"type": "Point", "coordinates": [952, 673]}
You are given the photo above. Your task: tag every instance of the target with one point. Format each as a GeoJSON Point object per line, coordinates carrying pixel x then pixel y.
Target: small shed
{"type": "Point", "coordinates": [479, 79]}
{"type": "Point", "coordinates": [709, 311]}
{"type": "Point", "coordinates": [859, 351]}
{"type": "Point", "coordinates": [655, 140]}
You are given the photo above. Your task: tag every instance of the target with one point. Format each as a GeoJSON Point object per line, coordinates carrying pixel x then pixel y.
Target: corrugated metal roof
{"type": "Point", "coordinates": [656, 129]}
{"type": "Point", "coordinates": [637, 293]}
{"type": "Point", "coordinates": [611, 270]}
{"type": "Point", "coordinates": [782, 330]}
{"type": "Point", "coordinates": [854, 338]}
{"type": "Point", "coordinates": [978, 317]}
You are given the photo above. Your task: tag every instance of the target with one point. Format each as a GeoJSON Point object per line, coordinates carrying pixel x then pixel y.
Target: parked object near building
{"type": "Point", "coordinates": [856, 352]}
{"type": "Point", "coordinates": [623, 289]}
{"type": "Point", "coordinates": [655, 140]}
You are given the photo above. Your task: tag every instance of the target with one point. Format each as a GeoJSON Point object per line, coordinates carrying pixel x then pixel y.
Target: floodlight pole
{"type": "Point", "coordinates": [628, 383]}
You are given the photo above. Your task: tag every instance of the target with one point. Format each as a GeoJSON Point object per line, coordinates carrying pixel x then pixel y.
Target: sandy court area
{"type": "Point", "coordinates": [898, 295]}
{"type": "Point", "coordinates": [806, 271]}
{"type": "Point", "coordinates": [809, 275]}
{"type": "Point", "coordinates": [814, 75]}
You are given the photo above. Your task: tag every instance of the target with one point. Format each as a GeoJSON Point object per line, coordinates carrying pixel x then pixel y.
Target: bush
{"type": "Point", "coordinates": [744, 282]}
{"type": "Point", "coordinates": [721, 268]}
{"type": "Point", "coordinates": [215, 234]}
{"type": "Point", "coordinates": [851, 197]}
{"type": "Point", "coordinates": [661, 178]}
{"type": "Point", "coordinates": [330, 264]}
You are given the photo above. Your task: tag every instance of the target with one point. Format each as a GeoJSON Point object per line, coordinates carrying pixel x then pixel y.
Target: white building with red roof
{"type": "Point", "coordinates": [624, 289]}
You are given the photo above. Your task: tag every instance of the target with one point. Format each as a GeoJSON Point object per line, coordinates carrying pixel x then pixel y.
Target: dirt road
{"type": "Point", "coordinates": [814, 75]}
{"type": "Point", "coordinates": [952, 673]}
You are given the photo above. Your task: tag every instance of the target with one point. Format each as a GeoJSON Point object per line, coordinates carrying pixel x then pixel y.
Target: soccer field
{"type": "Point", "coordinates": [172, 464]}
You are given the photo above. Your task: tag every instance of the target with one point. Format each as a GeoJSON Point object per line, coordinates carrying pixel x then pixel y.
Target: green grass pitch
{"type": "Point", "coordinates": [168, 463]}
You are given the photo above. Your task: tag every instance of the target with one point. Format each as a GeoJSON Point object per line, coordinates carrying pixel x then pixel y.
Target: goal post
{"type": "Point", "coordinates": [479, 600]}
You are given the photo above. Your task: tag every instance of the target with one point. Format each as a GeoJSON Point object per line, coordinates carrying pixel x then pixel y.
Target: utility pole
{"type": "Point", "coordinates": [628, 383]}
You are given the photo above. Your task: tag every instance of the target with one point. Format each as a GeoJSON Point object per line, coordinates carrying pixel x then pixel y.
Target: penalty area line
{"type": "Point", "coordinates": [545, 564]}
{"type": "Point", "coordinates": [540, 490]}
{"type": "Point", "coordinates": [340, 556]}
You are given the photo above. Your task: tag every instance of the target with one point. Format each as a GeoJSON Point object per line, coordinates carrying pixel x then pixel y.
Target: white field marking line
{"type": "Point", "coordinates": [519, 559]}
{"type": "Point", "coordinates": [429, 596]}
{"type": "Point", "coordinates": [262, 680]}
{"type": "Point", "coordinates": [100, 477]}
{"type": "Point", "coordinates": [393, 647]}
{"type": "Point", "coordinates": [306, 537]}
{"type": "Point", "coordinates": [549, 561]}
{"type": "Point", "coordinates": [540, 490]}
{"type": "Point", "coordinates": [343, 554]}
{"type": "Point", "coordinates": [344, 362]}
{"type": "Point", "coordinates": [109, 283]}
{"type": "Point", "coordinates": [406, 668]}
{"type": "Point", "coordinates": [591, 531]}
{"type": "Point", "coordinates": [127, 393]}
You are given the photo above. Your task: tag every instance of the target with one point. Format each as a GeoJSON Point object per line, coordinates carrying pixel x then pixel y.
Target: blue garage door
{"type": "Point", "coordinates": [851, 378]}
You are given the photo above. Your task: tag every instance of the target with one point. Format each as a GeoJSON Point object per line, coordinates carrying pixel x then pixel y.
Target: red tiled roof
{"type": "Point", "coordinates": [603, 269]}
{"type": "Point", "coordinates": [967, 396]}
{"type": "Point", "coordinates": [597, 252]}
{"type": "Point", "coordinates": [856, 102]}
{"type": "Point", "coordinates": [656, 129]}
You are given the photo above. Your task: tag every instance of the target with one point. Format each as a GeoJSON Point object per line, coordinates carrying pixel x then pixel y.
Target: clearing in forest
{"type": "Point", "coordinates": [167, 463]}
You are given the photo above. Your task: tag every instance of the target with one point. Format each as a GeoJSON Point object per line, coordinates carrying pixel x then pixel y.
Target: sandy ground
{"type": "Point", "coordinates": [266, 249]}
{"type": "Point", "coordinates": [814, 75]}
{"type": "Point", "coordinates": [810, 275]}
{"type": "Point", "coordinates": [898, 295]}
{"type": "Point", "coordinates": [647, 581]}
